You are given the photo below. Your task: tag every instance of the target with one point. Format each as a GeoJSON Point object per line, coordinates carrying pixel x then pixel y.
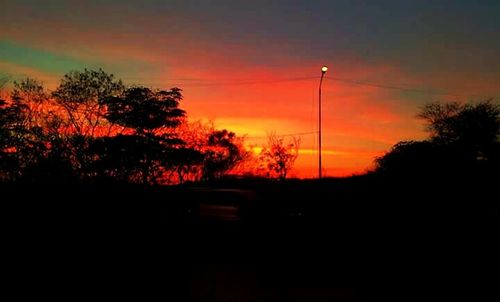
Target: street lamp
{"type": "Point", "coordinates": [324, 69]}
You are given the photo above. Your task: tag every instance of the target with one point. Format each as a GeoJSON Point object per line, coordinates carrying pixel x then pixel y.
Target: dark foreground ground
{"type": "Point", "coordinates": [357, 239]}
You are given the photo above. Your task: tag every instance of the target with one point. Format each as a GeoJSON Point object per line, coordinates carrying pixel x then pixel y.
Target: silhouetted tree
{"type": "Point", "coordinates": [207, 153]}
{"type": "Point", "coordinates": [22, 136]}
{"type": "Point", "coordinates": [474, 128]}
{"type": "Point", "coordinates": [78, 113]}
{"type": "Point", "coordinates": [223, 152]}
{"type": "Point", "coordinates": [183, 163]}
{"type": "Point", "coordinates": [8, 162]}
{"type": "Point", "coordinates": [189, 165]}
{"type": "Point", "coordinates": [83, 95]}
{"type": "Point", "coordinates": [43, 123]}
{"type": "Point", "coordinates": [453, 122]}
{"type": "Point", "coordinates": [146, 111]}
{"type": "Point", "coordinates": [31, 94]}
{"type": "Point", "coordinates": [463, 138]}
{"type": "Point", "coordinates": [279, 156]}
{"type": "Point", "coordinates": [147, 115]}
{"type": "Point", "coordinates": [3, 120]}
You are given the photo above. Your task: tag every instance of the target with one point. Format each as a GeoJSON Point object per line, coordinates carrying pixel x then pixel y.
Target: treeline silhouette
{"type": "Point", "coordinates": [464, 141]}
{"type": "Point", "coordinates": [94, 129]}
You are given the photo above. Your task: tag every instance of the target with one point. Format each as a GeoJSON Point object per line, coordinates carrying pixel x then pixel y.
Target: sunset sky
{"type": "Point", "coordinates": [253, 66]}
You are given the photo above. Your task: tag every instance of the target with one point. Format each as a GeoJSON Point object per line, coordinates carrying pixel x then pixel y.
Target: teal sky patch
{"type": "Point", "coordinates": [39, 59]}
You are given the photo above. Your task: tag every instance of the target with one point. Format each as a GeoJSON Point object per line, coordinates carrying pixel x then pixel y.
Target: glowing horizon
{"type": "Point", "coordinates": [255, 68]}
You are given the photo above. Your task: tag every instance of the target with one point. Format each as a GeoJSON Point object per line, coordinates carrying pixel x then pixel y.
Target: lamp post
{"type": "Point", "coordinates": [324, 69]}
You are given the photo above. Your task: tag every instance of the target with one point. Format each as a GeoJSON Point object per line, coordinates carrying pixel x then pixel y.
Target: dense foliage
{"type": "Point", "coordinates": [94, 128]}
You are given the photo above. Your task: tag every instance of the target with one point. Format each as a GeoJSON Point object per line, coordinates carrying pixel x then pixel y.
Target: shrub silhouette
{"type": "Point", "coordinates": [464, 138]}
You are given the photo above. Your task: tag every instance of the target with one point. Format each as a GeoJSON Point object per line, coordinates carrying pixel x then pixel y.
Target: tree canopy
{"type": "Point", "coordinates": [279, 156]}
{"type": "Point", "coordinates": [468, 124]}
{"type": "Point", "coordinates": [461, 137]}
{"type": "Point", "coordinates": [145, 110]}
{"type": "Point", "coordinates": [93, 127]}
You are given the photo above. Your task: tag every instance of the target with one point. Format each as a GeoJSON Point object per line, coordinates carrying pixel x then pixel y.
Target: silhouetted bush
{"type": "Point", "coordinates": [464, 140]}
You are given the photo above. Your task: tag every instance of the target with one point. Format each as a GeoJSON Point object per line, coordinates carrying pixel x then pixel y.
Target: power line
{"type": "Point", "coordinates": [249, 82]}
{"type": "Point", "coordinates": [193, 82]}
{"type": "Point", "coordinates": [393, 87]}
{"type": "Point", "coordinates": [284, 135]}
{"type": "Point", "coordinates": [343, 80]}
{"type": "Point", "coordinates": [201, 82]}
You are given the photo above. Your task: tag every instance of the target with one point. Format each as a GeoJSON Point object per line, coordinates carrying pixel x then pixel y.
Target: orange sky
{"type": "Point", "coordinates": [255, 69]}
{"type": "Point", "coordinates": [356, 127]}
